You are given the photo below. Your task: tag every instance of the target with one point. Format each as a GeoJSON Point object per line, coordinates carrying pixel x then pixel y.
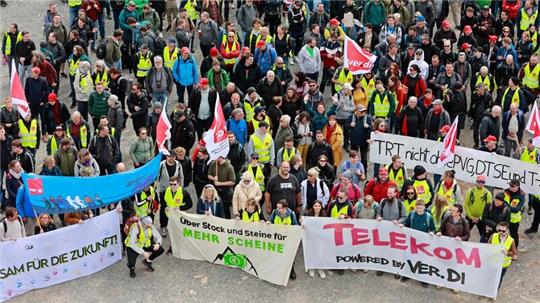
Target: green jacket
{"type": "Point", "coordinates": [223, 81]}
{"type": "Point", "coordinates": [475, 201]}
{"type": "Point", "coordinates": [97, 104]}
{"type": "Point", "coordinates": [142, 151]}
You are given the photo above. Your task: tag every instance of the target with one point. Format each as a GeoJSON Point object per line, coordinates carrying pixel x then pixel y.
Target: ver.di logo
{"type": "Point", "coordinates": [232, 259]}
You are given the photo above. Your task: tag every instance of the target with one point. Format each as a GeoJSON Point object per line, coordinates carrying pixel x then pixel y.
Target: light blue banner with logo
{"type": "Point", "coordinates": [58, 195]}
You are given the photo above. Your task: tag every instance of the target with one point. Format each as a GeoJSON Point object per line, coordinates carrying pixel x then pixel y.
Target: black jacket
{"type": "Point", "coordinates": [183, 134]}
{"type": "Point", "coordinates": [237, 156]}
{"type": "Point", "coordinates": [269, 91]}
{"type": "Point", "coordinates": [104, 149]}
{"type": "Point", "coordinates": [195, 101]}
{"type": "Point", "coordinates": [47, 117]}
{"type": "Point", "coordinates": [187, 169]}
{"type": "Point", "coordinates": [490, 126]}
{"type": "Point", "coordinates": [479, 105]}
{"type": "Point", "coordinates": [11, 117]}
{"type": "Point", "coordinates": [315, 150]}
{"type": "Point", "coordinates": [246, 77]}
{"type": "Point", "coordinates": [142, 102]}
{"type": "Point", "coordinates": [5, 152]}
{"type": "Point", "coordinates": [36, 91]}
{"type": "Point", "coordinates": [414, 118]}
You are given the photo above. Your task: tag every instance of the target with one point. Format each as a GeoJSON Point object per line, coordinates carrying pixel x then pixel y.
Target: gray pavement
{"type": "Point", "coordinates": [178, 280]}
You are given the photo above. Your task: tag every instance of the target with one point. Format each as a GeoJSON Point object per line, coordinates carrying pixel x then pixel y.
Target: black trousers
{"type": "Point", "coordinates": [202, 126]}
{"type": "Point", "coordinates": [133, 255]}
{"type": "Point", "coordinates": [514, 232]}
{"type": "Point", "coordinates": [163, 219]}
{"type": "Point", "coordinates": [480, 225]}
{"type": "Point", "coordinates": [536, 219]}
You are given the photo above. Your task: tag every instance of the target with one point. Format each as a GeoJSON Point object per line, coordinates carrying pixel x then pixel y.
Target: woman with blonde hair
{"type": "Point", "coordinates": [83, 86]}
{"type": "Point", "coordinates": [44, 224]}
{"type": "Point", "coordinates": [333, 133]}
{"type": "Point", "coordinates": [101, 73]}
{"type": "Point", "coordinates": [245, 190]}
{"type": "Point", "coordinates": [251, 212]}
{"type": "Point", "coordinates": [439, 211]}
{"type": "Point", "coordinates": [50, 168]}
{"type": "Point", "coordinates": [209, 203]}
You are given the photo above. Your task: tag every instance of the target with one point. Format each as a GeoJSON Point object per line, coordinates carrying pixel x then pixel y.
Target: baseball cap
{"type": "Point", "coordinates": [52, 96]}
{"type": "Point", "coordinates": [361, 108]}
{"type": "Point", "coordinates": [214, 52]}
{"type": "Point", "coordinates": [481, 178]}
{"type": "Point", "coordinates": [171, 41]}
{"type": "Point", "coordinates": [261, 43]}
{"type": "Point", "coordinates": [334, 21]}
{"type": "Point", "coordinates": [36, 70]}
{"type": "Point", "coordinates": [347, 86]}
{"type": "Point", "coordinates": [492, 38]}
{"type": "Point", "coordinates": [204, 81]}
{"type": "Point", "coordinates": [465, 46]}
{"type": "Point", "coordinates": [446, 23]}
{"type": "Point", "coordinates": [59, 127]}
{"type": "Point", "coordinates": [467, 29]}
{"type": "Point", "coordinates": [445, 128]}
{"type": "Point", "coordinates": [131, 3]}
{"type": "Point", "coordinates": [490, 138]}
{"type": "Point", "coordinates": [185, 50]}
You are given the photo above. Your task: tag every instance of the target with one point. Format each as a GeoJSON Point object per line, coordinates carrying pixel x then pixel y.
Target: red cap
{"type": "Point", "coordinates": [446, 24]}
{"type": "Point", "coordinates": [246, 49]}
{"type": "Point", "coordinates": [490, 138]}
{"type": "Point", "coordinates": [465, 45]}
{"type": "Point", "coordinates": [52, 97]}
{"type": "Point", "coordinates": [481, 178]}
{"type": "Point", "coordinates": [445, 129]}
{"type": "Point", "coordinates": [36, 70]}
{"type": "Point", "coordinates": [492, 38]}
{"type": "Point", "coordinates": [214, 52]}
{"type": "Point", "coordinates": [334, 21]}
{"type": "Point", "coordinates": [185, 50]}
{"type": "Point", "coordinates": [261, 43]}
{"type": "Point", "coordinates": [467, 29]}
{"type": "Point", "coordinates": [204, 81]}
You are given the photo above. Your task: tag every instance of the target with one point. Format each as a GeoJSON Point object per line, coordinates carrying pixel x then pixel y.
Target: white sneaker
{"type": "Point", "coordinates": [164, 232]}
{"type": "Point", "coordinates": [365, 270]}
{"type": "Point", "coordinates": [311, 272]}
{"type": "Point", "coordinates": [354, 270]}
{"type": "Point", "coordinates": [438, 287]}
{"type": "Point", "coordinates": [322, 274]}
{"type": "Point", "coordinates": [291, 61]}
{"type": "Point", "coordinates": [522, 249]}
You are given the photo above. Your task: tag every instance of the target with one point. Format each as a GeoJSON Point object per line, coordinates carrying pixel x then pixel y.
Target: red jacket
{"type": "Point", "coordinates": [377, 189]}
{"type": "Point", "coordinates": [230, 54]}
{"type": "Point", "coordinates": [354, 194]}
{"type": "Point", "coordinates": [48, 72]}
{"type": "Point", "coordinates": [92, 9]}
{"type": "Point", "coordinates": [512, 7]}
{"type": "Point", "coordinates": [419, 88]}
{"type": "Point", "coordinates": [401, 97]}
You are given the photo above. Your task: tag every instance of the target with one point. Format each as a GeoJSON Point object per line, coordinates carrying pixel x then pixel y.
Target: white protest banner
{"type": "Point", "coordinates": [263, 250]}
{"type": "Point", "coordinates": [369, 244]}
{"type": "Point", "coordinates": [59, 256]}
{"type": "Point", "coordinates": [468, 163]}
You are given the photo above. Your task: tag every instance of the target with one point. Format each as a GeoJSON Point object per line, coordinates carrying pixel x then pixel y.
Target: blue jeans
{"type": "Point", "coordinates": [161, 97]}
{"type": "Point", "coordinates": [118, 65]}
{"type": "Point", "coordinates": [73, 13]}
{"type": "Point", "coordinates": [101, 26]}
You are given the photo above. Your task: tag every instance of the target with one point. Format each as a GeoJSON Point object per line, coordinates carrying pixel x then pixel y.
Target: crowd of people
{"type": "Point", "coordinates": [294, 150]}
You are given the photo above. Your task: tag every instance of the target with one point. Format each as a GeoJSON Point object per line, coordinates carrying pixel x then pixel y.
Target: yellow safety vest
{"type": "Point", "coordinates": [398, 177]}
{"type": "Point", "coordinates": [253, 218]}
{"type": "Point", "coordinates": [409, 205]}
{"type": "Point", "coordinates": [73, 3]}
{"type": "Point", "coordinates": [335, 213]}
{"type": "Point", "coordinates": [29, 138]}
{"type": "Point", "coordinates": [485, 81]}
{"type": "Point", "coordinates": [259, 176]}
{"type": "Point", "coordinates": [527, 20]}
{"type": "Point", "coordinates": [86, 83]}
{"type": "Point", "coordinates": [54, 145]}
{"type": "Point", "coordinates": [422, 190]}
{"type": "Point", "coordinates": [496, 240]}
{"type": "Point", "coordinates": [514, 217]}
{"type": "Point", "coordinates": [381, 108]}
{"type": "Point", "coordinates": [368, 86]}
{"type": "Point", "coordinates": [345, 76]}
{"type": "Point", "coordinates": [144, 65]}
{"type": "Point", "coordinates": [250, 109]}
{"type": "Point", "coordinates": [288, 155]}
{"type": "Point", "coordinates": [228, 50]}
{"type": "Point", "coordinates": [191, 11]}
{"type": "Point", "coordinates": [8, 42]}
{"type": "Point", "coordinates": [104, 78]}
{"type": "Point", "coordinates": [282, 221]}
{"type": "Point", "coordinates": [83, 132]}
{"type": "Point", "coordinates": [515, 97]}
{"type": "Point", "coordinates": [73, 66]}
{"type": "Point", "coordinates": [176, 200]}
{"type": "Point", "coordinates": [262, 147]}
{"type": "Point", "coordinates": [143, 240]}
{"type": "Point", "coordinates": [168, 58]}
{"type": "Point", "coordinates": [438, 219]}
{"type": "Point", "coordinates": [448, 194]}
{"type": "Point", "coordinates": [529, 157]}
{"type": "Point", "coordinates": [256, 122]}
{"type": "Point", "coordinates": [530, 78]}
{"type": "Point", "coordinates": [142, 210]}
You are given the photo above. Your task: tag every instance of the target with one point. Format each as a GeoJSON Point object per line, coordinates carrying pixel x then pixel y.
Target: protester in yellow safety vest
{"type": "Point", "coordinates": [513, 94]}
{"type": "Point", "coordinates": [530, 74]}
{"type": "Point", "coordinates": [261, 142]}
{"type": "Point", "coordinates": [144, 63]}
{"type": "Point", "coordinates": [409, 198]}
{"type": "Point", "coordinates": [382, 103]}
{"type": "Point", "coordinates": [341, 76]}
{"type": "Point", "coordinates": [170, 53]}
{"type": "Point", "coordinates": [421, 184]}
{"type": "Point", "coordinates": [340, 208]}
{"type": "Point", "coordinates": [78, 130]}
{"type": "Point", "coordinates": [449, 188]}
{"type": "Point", "coordinates": [11, 37]}
{"type": "Point", "coordinates": [256, 170]}
{"type": "Point", "coordinates": [515, 198]}
{"type": "Point", "coordinates": [527, 15]}
{"type": "Point", "coordinates": [144, 202]}
{"type": "Point", "coordinates": [333, 26]}
{"type": "Point", "coordinates": [283, 215]}
{"type": "Point", "coordinates": [101, 73]}
{"type": "Point", "coordinates": [368, 84]}
{"type": "Point", "coordinates": [54, 142]}
{"type": "Point", "coordinates": [484, 77]}
{"type": "Point", "coordinates": [143, 239]}
{"type": "Point", "coordinates": [509, 250]}
{"type": "Point", "coordinates": [259, 115]}
{"type": "Point", "coordinates": [439, 211]}
{"type": "Point", "coordinates": [174, 196]}
{"type": "Point", "coordinates": [251, 100]}
{"type": "Point", "coordinates": [287, 152]}
{"type": "Point", "coordinates": [531, 154]}
{"type": "Point", "coordinates": [230, 50]}
{"type": "Point", "coordinates": [397, 171]}
{"type": "Point", "coordinates": [191, 7]}
{"type": "Point", "coordinates": [30, 133]}
{"type": "Point", "coordinates": [73, 63]}
{"type": "Point", "coordinates": [475, 202]}
{"type": "Point", "coordinates": [251, 213]}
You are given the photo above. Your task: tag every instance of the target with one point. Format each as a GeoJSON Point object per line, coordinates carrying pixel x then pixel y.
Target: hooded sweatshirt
{"type": "Point", "coordinates": [422, 64]}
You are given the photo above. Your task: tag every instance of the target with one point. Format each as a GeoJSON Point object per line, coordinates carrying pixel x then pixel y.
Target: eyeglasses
{"type": "Point", "coordinates": [322, 160]}
{"type": "Point", "coordinates": [513, 186]}
{"type": "Point", "coordinates": [254, 158]}
{"type": "Point", "coordinates": [481, 182]}
{"type": "Point", "coordinates": [410, 194]}
{"type": "Point", "coordinates": [501, 230]}
{"type": "Point", "coordinates": [173, 184]}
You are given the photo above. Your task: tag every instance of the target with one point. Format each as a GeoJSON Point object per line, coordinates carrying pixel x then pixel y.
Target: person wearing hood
{"type": "Point", "coordinates": [222, 174]}
{"type": "Point", "coordinates": [159, 81]}
{"type": "Point", "coordinates": [54, 113]}
{"type": "Point", "coordinates": [83, 86]}
{"type": "Point", "coordinates": [420, 62]}
{"type": "Point", "coordinates": [421, 184]}
{"type": "Point", "coordinates": [246, 190]}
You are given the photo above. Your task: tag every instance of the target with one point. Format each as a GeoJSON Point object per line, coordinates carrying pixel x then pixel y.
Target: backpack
{"type": "Point", "coordinates": [4, 222]}
{"type": "Point", "coordinates": [127, 225]}
{"type": "Point", "coordinates": [101, 51]}
{"type": "Point", "coordinates": [400, 206]}
{"type": "Point", "coordinates": [159, 46]}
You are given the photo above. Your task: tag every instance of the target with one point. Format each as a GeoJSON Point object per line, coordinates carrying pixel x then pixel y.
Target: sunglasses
{"type": "Point", "coordinates": [410, 194]}
{"type": "Point", "coordinates": [501, 230]}
{"type": "Point", "coordinates": [481, 182]}
{"type": "Point", "coordinates": [322, 160]}
{"type": "Point", "coordinates": [173, 184]}
{"type": "Point", "coordinates": [254, 158]}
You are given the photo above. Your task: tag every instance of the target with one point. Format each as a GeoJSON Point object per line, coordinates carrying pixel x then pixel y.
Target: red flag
{"type": "Point", "coordinates": [533, 125]}
{"type": "Point", "coordinates": [449, 143]}
{"type": "Point", "coordinates": [356, 59]}
{"type": "Point", "coordinates": [163, 130]}
{"type": "Point", "coordinates": [217, 144]}
{"type": "Point", "coordinates": [17, 92]}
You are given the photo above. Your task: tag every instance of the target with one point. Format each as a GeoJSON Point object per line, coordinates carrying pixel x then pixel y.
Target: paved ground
{"type": "Point", "coordinates": [191, 281]}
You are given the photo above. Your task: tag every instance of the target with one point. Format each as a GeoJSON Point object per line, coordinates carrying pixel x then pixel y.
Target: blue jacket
{"type": "Point", "coordinates": [239, 128]}
{"type": "Point", "coordinates": [23, 204]}
{"type": "Point", "coordinates": [505, 52]}
{"type": "Point", "coordinates": [359, 133]}
{"type": "Point", "coordinates": [506, 121]}
{"type": "Point", "coordinates": [216, 208]}
{"type": "Point", "coordinates": [185, 71]}
{"type": "Point", "coordinates": [265, 60]}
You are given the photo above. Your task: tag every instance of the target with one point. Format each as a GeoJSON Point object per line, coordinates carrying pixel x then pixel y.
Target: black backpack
{"type": "Point", "coordinates": [4, 222]}
{"type": "Point", "coordinates": [159, 46]}
{"type": "Point", "coordinates": [101, 51]}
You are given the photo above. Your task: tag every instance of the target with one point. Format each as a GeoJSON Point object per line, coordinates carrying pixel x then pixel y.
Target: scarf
{"type": "Point", "coordinates": [309, 51]}
{"type": "Point", "coordinates": [404, 129]}
{"type": "Point", "coordinates": [330, 129]}
{"type": "Point", "coordinates": [57, 117]}
{"type": "Point", "coordinates": [15, 174]}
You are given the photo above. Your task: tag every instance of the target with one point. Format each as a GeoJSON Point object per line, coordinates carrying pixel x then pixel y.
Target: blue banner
{"type": "Point", "coordinates": [58, 195]}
